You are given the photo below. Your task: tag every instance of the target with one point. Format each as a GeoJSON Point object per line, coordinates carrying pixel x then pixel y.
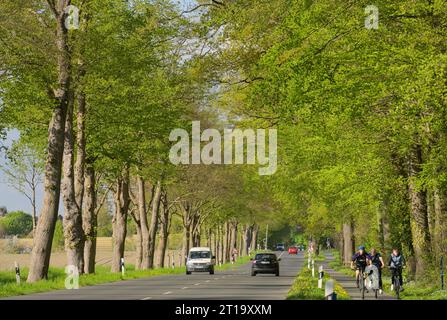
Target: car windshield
{"type": "Point", "coordinates": [199, 254]}
{"type": "Point", "coordinates": [263, 256]}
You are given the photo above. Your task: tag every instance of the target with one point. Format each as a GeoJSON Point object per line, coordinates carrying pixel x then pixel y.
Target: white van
{"type": "Point", "coordinates": [200, 259]}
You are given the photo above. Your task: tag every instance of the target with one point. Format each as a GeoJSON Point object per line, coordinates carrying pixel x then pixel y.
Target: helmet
{"type": "Point", "coordinates": [362, 248]}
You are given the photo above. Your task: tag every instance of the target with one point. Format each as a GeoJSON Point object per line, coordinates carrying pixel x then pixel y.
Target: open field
{"type": "Point", "coordinates": [58, 258]}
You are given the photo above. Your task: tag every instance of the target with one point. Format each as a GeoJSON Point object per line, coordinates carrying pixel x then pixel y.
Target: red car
{"type": "Point", "coordinates": [293, 250]}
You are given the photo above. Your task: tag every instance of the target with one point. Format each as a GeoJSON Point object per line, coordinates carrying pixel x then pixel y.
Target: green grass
{"type": "Point", "coordinates": [413, 290]}
{"type": "Point", "coordinates": [56, 278]}
{"type": "Point", "coordinates": [321, 257]}
{"type": "Point", "coordinates": [306, 288]}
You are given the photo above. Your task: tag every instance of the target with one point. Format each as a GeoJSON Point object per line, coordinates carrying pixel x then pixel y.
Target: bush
{"type": "Point", "coordinates": [17, 223]}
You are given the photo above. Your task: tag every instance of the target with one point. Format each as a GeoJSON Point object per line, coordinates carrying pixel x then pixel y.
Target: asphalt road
{"type": "Point", "coordinates": [227, 285]}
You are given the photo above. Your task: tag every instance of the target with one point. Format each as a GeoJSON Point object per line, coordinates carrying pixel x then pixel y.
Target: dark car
{"type": "Point", "coordinates": [280, 247]}
{"type": "Point", "coordinates": [265, 263]}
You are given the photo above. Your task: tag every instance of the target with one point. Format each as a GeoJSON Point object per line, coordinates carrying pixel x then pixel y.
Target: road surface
{"type": "Point", "coordinates": [227, 285]}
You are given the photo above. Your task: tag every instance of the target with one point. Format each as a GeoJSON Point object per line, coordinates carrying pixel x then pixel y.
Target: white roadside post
{"type": "Point", "coordinates": [329, 293]}
{"type": "Point", "coordinates": [313, 268]}
{"type": "Point", "coordinates": [320, 277]}
{"type": "Point", "coordinates": [17, 268]}
{"type": "Point", "coordinates": [123, 268]}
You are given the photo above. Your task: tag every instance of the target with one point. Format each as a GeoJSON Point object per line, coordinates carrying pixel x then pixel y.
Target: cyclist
{"type": "Point", "coordinates": [396, 263]}
{"type": "Point", "coordinates": [360, 259]}
{"type": "Point", "coordinates": [377, 260]}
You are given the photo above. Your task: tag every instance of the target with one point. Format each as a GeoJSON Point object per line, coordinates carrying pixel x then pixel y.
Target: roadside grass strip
{"type": "Point", "coordinates": [306, 288]}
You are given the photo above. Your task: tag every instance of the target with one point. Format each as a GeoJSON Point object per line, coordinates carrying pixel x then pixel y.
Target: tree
{"type": "Point", "coordinates": [17, 223]}
{"type": "Point", "coordinates": [24, 170]}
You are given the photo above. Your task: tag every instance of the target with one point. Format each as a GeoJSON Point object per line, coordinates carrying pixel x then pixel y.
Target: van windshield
{"type": "Point", "coordinates": [199, 254]}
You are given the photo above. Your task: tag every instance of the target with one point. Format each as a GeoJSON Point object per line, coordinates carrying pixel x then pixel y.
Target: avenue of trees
{"type": "Point", "coordinates": [360, 112]}
{"type": "Point", "coordinates": [95, 103]}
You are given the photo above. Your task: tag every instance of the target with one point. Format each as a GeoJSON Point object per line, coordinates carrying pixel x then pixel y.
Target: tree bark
{"type": "Point", "coordinates": [226, 246]}
{"type": "Point", "coordinates": [254, 238]}
{"type": "Point", "coordinates": [418, 209]}
{"type": "Point", "coordinates": [119, 226]}
{"type": "Point", "coordinates": [440, 230]}
{"type": "Point", "coordinates": [139, 241]}
{"type": "Point", "coordinates": [73, 232]}
{"type": "Point", "coordinates": [164, 230]}
{"type": "Point", "coordinates": [89, 220]}
{"type": "Point", "coordinates": [40, 257]}
{"type": "Point", "coordinates": [142, 210]}
{"type": "Point", "coordinates": [80, 151]}
{"type": "Point", "coordinates": [347, 243]}
{"type": "Point", "coordinates": [154, 223]}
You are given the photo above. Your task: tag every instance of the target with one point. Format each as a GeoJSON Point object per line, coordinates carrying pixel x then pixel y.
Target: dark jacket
{"type": "Point", "coordinates": [396, 261]}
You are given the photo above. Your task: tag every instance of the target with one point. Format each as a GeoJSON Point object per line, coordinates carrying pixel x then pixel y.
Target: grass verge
{"type": "Point", "coordinates": [306, 288]}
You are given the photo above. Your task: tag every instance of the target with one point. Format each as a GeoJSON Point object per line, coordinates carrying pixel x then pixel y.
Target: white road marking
{"type": "Point", "coordinates": [147, 298]}
{"type": "Point", "coordinates": [196, 284]}
{"type": "Point", "coordinates": [168, 292]}
{"type": "Point", "coordinates": [184, 288]}
{"type": "Point", "coordinates": [216, 278]}
{"type": "Point", "coordinates": [207, 281]}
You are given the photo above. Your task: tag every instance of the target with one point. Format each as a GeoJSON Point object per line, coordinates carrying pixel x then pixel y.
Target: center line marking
{"type": "Point", "coordinates": [184, 288]}
{"type": "Point", "coordinates": [207, 281]}
{"type": "Point", "coordinates": [147, 298]}
{"type": "Point", "coordinates": [168, 292]}
{"type": "Point", "coordinates": [196, 284]}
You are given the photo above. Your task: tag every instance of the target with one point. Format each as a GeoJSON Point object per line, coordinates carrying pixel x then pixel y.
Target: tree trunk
{"type": "Point", "coordinates": [139, 241]}
{"type": "Point", "coordinates": [233, 236]}
{"type": "Point", "coordinates": [164, 231]}
{"type": "Point", "coordinates": [418, 209]}
{"type": "Point", "coordinates": [40, 257]}
{"type": "Point", "coordinates": [89, 220]}
{"type": "Point", "coordinates": [347, 243]}
{"type": "Point", "coordinates": [221, 245]}
{"type": "Point", "coordinates": [440, 239]}
{"type": "Point", "coordinates": [142, 210]}
{"type": "Point", "coordinates": [119, 227]}
{"type": "Point", "coordinates": [254, 237]}
{"type": "Point", "coordinates": [80, 151]}
{"type": "Point", "coordinates": [227, 244]}
{"type": "Point", "coordinates": [154, 223]}
{"type": "Point", "coordinates": [185, 243]}
{"type": "Point", "coordinates": [73, 233]}
{"type": "Point", "coordinates": [246, 238]}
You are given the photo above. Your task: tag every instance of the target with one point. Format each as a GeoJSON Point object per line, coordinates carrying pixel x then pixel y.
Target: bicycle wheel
{"type": "Point", "coordinates": [362, 285]}
{"type": "Point", "coordinates": [397, 287]}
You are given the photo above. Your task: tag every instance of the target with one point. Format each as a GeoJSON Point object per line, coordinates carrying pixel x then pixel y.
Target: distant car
{"type": "Point", "coordinates": [265, 263]}
{"type": "Point", "coordinates": [200, 259]}
{"type": "Point", "coordinates": [280, 247]}
{"type": "Point", "coordinates": [293, 250]}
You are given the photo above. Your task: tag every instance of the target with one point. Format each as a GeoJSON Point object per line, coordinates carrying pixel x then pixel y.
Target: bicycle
{"type": "Point", "coordinates": [395, 282]}
{"type": "Point", "coordinates": [361, 281]}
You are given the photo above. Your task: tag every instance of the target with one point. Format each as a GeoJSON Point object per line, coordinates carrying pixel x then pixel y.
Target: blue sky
{"type": "Point", "coordinates": [14, 200]}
